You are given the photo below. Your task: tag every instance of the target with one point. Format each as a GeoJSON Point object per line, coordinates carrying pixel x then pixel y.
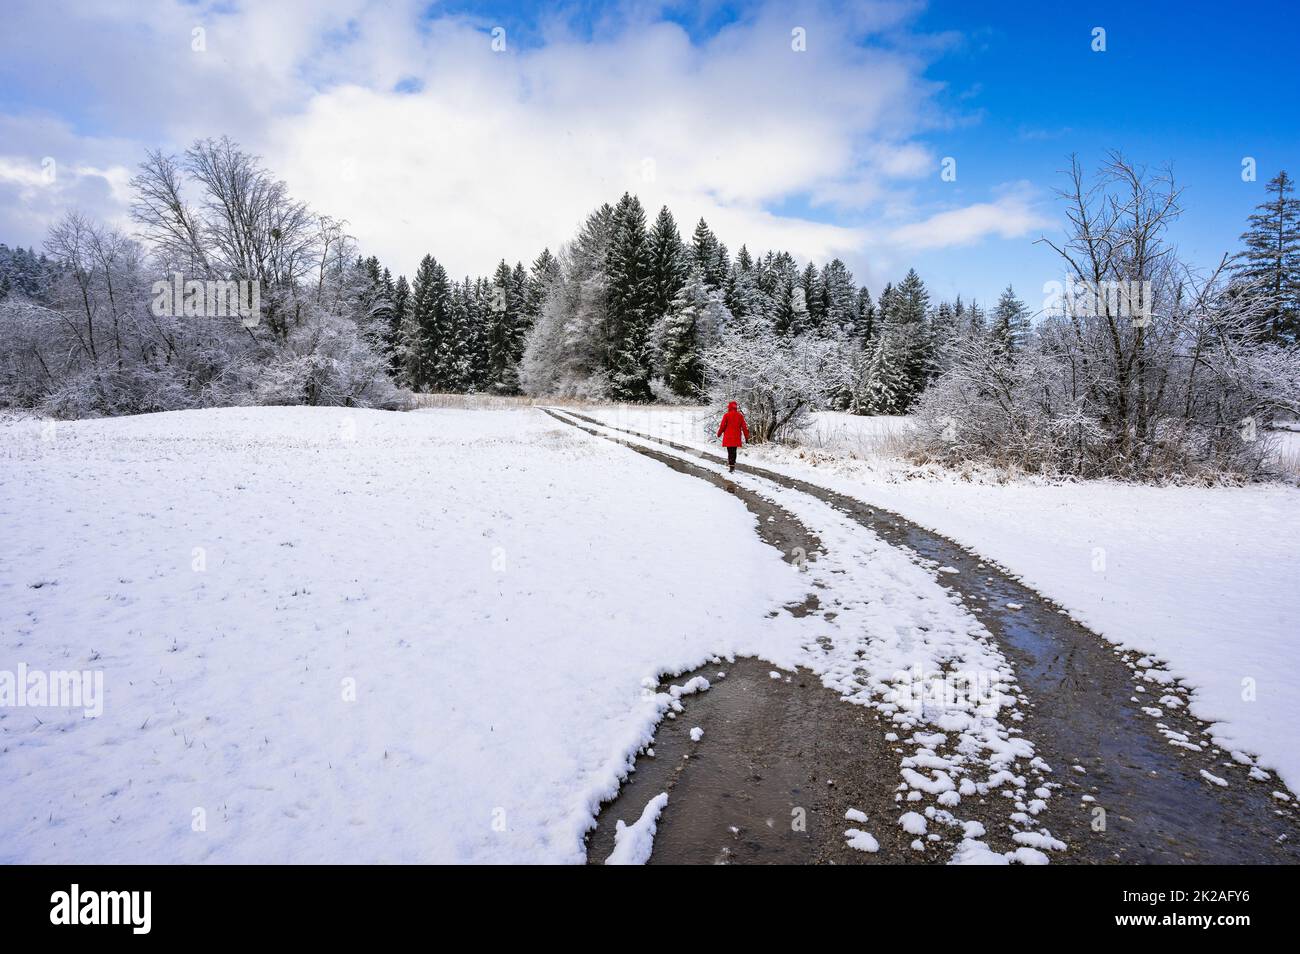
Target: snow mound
{"type": "Point", "coordinates": [634, 843]}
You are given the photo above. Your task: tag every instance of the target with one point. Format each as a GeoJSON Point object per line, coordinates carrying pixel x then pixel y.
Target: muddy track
{"type": "Point", "coordinates": [782, 759]}
{"type": "Point", "coordinates": [1128, 794]}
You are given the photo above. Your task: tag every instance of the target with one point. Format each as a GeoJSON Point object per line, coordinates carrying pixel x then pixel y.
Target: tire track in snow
{"type": "Point", "coordinates": [891, 639]}
{"type": "Point", "coordinates": [775, 749]}
{"type": "Point", "coordinates": [1133, 763]}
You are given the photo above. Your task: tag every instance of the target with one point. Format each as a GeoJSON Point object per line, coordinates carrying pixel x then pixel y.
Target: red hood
{"type": "Point", "coordinates": [731, 406]}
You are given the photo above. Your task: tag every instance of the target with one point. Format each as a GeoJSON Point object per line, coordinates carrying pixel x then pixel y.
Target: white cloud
{"type": "Point", "coordinates": [1012, 215]}
{"type": "Point", "coordinates": [53, 175]}
{"type": "Point", "coordinates": [499, 154]}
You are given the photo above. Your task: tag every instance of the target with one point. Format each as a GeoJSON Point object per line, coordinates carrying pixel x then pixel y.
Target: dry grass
{"type": "Point", "coordinates": [494, 402]}
{"type": "Point", "coordinates": [1287, 460]}
{"type": "Point", "coordinates": [890, 439]}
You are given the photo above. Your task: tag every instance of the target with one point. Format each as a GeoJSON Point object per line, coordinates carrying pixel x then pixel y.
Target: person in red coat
{"type": "Point", "coordinates": [732, 426]}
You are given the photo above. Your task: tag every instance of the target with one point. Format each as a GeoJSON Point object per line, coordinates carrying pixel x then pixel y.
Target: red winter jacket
{"type": "Point", "coordinates": [732, 426]}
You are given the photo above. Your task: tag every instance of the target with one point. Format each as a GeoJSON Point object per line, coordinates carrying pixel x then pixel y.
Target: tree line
{"type": "Point", "coordinates": [628, 310]}
{"type": "Point", "coordinates": [632, 310]}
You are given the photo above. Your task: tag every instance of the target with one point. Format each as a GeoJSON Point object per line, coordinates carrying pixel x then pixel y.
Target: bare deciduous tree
{"type": "Point", "coordinates": [1159, 372]}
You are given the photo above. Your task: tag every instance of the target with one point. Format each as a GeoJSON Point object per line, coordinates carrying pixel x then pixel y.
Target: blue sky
{"type": "Point", "coordinates": [1198, 85]}
{"type": "Point", "coordinates": [399, 118]}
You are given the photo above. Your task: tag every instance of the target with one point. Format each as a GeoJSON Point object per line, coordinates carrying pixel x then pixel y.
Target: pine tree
{"type": "Point", "coordinates": [886, 304]}
{"type": "Point", "coordinates": [630, 296]}
{"type": "Point", "coordinates": [722, 268]}
{"type": "Point", "coordinates": [864, 317]}
{"type": "Point", "coordinates": [911, 300]}
{"type": "Point", "coordinates": [569, 347]}
{"type": "Point", "coordinates": [1271, 259]}
{"type": "Point", "coordinates": [458, 341]}
{"type": "Point", "coordinates": [814, 310]}
{"type": "Point", "coordinates": [693, 322]}
{"type": "Point", "coordinates": [502, 317]}
{"type": "Point", "coordinates": [882, 388]}
{"type": "Point", "coordinates": [521, 289]}
{"type": "Point", "coordinates": [838, 298]}
{"type": "Point", "coordinates": [1010, 327]}
{"type": "Point", "coordinates": [388, 290]}
{"type": "Point", "coordinates": [544, 271]}
{"type": "Point", "coordinates": [506, 382]}
{"type": "Point", "coordinates": [504, 309]}
{"type": "Point", "coordinates": [475, 301]}
{"type": "Point", "coordinates": [944, 333]}
{"type": "Point", "coordinates": [669, 264]}
{"type": "Point", "coordinates": [909, 306]}
{"type": "Point", "coordinates": [24, 272]}
{"type": "Point", "coordinates": [480, 308]}
{"type": "Point", "coordinates": [373, 306]}
{"type": "Point", "coordinates": [709, 255]}
{"type": "Point", "coordinates": [357, 283]}
{"type": "Point", "coordinates": [778, 269]}
{"type": "Point", "coordinates": [789, 308]}
{"type": "Point", "coordinates": [403, 331]}
{"type": "Point", "coordinates": [427, 364]}
{"type": "Point", "coordinates": [744, 298]}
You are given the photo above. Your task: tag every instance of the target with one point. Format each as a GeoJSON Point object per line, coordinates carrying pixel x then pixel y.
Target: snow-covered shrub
{"type": "Point", "coordinates": [111, 391]}
{"type": "Point", "coordinates": [565, 351]}
{"type": "Point", "coordinates": [691, 326]}
{"type": "Point", "coordinates": [26, 374]}
{"type": "Point", "coordinates": [1156, 373]}
{"type": "Point", "coordinates": [991, 409]}
{"type": "Point", "coordinates": [1217, 387]}
{"type": "Point", "coordinates": [562, 355]}
{"type": "Point", "coordinates": [777, 380]}
{"type": "Point", "coordinates": [327, 362]}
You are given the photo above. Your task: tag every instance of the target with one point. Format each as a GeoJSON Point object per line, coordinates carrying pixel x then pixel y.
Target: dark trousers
{"type": "Point", "coordinates": [731, 457]}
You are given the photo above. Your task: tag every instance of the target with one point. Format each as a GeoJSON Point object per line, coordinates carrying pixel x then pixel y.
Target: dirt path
{"type": "Point", "coordinates": [1130, 795]}
{"type": "Point", "coordinates": [780, 763]}
{"type": "Point", "coordinates": [782, 760]}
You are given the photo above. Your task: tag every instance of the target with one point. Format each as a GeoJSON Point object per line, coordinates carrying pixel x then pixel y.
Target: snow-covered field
{"type": "Point", "coordinates": [334, 635]}
{"type": "Point", "coordinates": [350, 636]}
{"type": "Point", "coordinates": [1203, 579]}
{"type": "Point", "coordinates": [359, 636]}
